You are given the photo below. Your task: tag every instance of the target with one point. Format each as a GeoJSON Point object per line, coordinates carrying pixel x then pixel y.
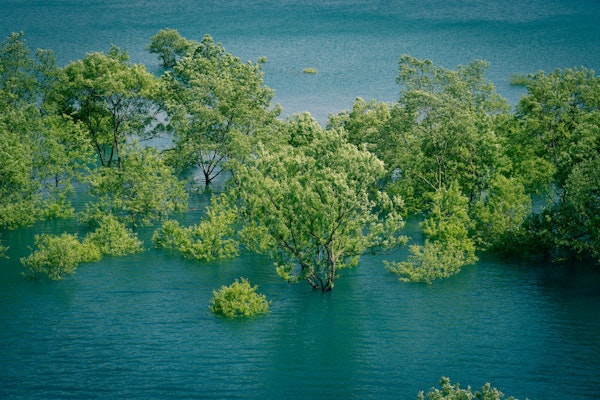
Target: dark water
{"type": "Point", "coordinates": [139, 326]}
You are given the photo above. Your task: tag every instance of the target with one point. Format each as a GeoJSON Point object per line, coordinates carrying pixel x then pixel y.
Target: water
{"type": "Point", "coordinates": [355, 45]}
{"type": "Point", "coordinates": [139, 326]}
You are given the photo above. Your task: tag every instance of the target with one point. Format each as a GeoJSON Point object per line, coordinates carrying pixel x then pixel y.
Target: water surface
{"type": "Point", "coordinates": [139, 327]}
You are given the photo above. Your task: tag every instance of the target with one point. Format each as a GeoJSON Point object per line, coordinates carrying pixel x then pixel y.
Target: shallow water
{"type": "Point", "coordinates": [139, 326]}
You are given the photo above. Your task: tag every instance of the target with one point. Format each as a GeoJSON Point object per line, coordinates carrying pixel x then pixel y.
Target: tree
{"type": "Point", "coordinates": [143, 190]}
{"type": "Point", "coordinates": [42, 152]}
{"type": "Point", "coordinates": [216, 103]}
{"type": "Point", "coordinates": [111, 237]}
{"type": "Point", "coordinates": [170, 46]}
{"type": "Point", "coordinates": [447, 247]}
{"type": "Point", "coordinates": [500, 215]}
{"type": "Point", "coordinates": [313, 203]}
{"type": "Point", "coordinates": [451, 133]}
{"type": "Point", "coordinates": [558, 121]}
{"type": "Point", "coordinates": [114, 100]}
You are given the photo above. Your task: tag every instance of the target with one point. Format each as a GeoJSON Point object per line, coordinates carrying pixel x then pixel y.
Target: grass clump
{"type": "Point", "coordinates": [239, 300]}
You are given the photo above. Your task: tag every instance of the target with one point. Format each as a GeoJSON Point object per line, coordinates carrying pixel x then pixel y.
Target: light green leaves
{"type": "Point", "coordinates": [211, 239]}
{"type": "Point", "coordinates": [58, 256]}
{"type": "Point", "coordinates": [313, 203]}
{"type": "Point", "coordinates": [239, 300]}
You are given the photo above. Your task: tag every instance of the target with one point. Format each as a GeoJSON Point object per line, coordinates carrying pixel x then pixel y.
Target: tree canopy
{"type": "Point", "coordinates": [314, 197]}
{"type": "Point", "coordinates": [314, 204]}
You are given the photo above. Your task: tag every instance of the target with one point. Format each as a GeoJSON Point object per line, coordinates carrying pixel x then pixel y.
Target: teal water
{"type": "Point", "coordinates": [139, 327]}
{"type": "Point", "coordinates": [354, 44]}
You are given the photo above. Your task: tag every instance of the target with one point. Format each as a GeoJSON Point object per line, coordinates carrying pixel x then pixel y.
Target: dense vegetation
{"type": "Point", "coordinates": [484, 177]}
{"type": "Point", "coordinates": [239, 299]}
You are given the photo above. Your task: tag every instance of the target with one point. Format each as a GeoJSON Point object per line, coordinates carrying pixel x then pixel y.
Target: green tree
{"type": "Point", "coordinates": [451, 133]}
{"type": "Point", "coordinates": [216, 103]}
{"type": "Point", "coordinates": [313, 203]}
{"type": "Point", "coordinates": [113, 99]}
{"type": "Point", "coordinates": [558, 123]}
{"type": "Point", "coordinates": [500, 215]}
{"type": "Point", "coordinates": [111, 237]}
{"type": "Point", "coordinates": [448, 246]}
{"type": "Point", "coordinates": [41, 153]}
{"type": "Point", "coordinates": [170, 46]}
{"type": "Point", "coordinates": [143, 190]}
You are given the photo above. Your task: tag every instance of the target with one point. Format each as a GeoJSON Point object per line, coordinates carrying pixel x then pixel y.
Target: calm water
{"type": "Point", "coordinates": [139, 327]}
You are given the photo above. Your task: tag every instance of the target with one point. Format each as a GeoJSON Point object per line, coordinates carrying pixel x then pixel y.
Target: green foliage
{"type": "Point", "coordinates": [57, 256]}
{"type": "Point", "coordinates": [211, 239]}
{"type": "Point", "coordinates": [40, 153]}
{"type": "Point", "coordinates": [313, 203]}
{"type": "Point", "coordinates": [143, 190]}
{"type": "Point", "coordinates": [448, 391]}
{"type": "Point", "coordinates": [171, 235]}
{"type": "Point", "coordinates": [448, 135]}
{"type": "Point", "coordinates": [310, 71]}
{"type": "Point", "coordinates": [170, 46]}
{"type": "Point", "coordinates": [239, 300]}
{"type": "Point", "coordinates": [216, 104]}
{"type": "Point", "coordinates": [448, 246]}
{"type": "Point", "coordinates": [557, 134]}
{"type": "Point", "coordinates": [501, 214]}
{"type": "Point", "coordinates": [113, 99]}
{"type": "Point", "coordinates": [111, 237]}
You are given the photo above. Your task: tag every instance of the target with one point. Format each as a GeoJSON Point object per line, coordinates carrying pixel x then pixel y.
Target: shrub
{"type": "Point", "coordinates": [209, 240]}
{"type": "Point", "coordinates": [239, 300]}
{"type": "Point", "coordinates": [171, 235]}
{"type": "Point", "coordinates": [113, 238]}
{"type": "Point", "coordinates": [454, 392]}
{"type": "Point", "coordinates": [57, 256]}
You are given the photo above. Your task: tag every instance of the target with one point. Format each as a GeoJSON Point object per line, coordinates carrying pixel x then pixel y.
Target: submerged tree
{"type": "Point", "coordinates": [143, 190]}
{"type": "Point", "coordinates": [113, 99]}
{"type": "Point", "coordinates": [41, 152]}
{"type": "Point", "coordinates": [448, 391]}
{"type": "Point", "coordinates": [216, 103]}
{"type": "Point", "coordinates": [557, 135]}
{"type": "Point", "coordinates": [58, 255]}
{"type": "Point", "coordinates": [211, 239]}
{"type": "Point", "coordinates": [447, 247]}
{"type": "Point", "coordinates": [451, 124]}
{"type": "Point", "coordinates": [313, 203]}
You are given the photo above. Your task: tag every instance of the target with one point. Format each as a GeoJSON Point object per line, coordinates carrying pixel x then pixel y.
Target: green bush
{"type": "Point", "coordinates": [454, 392]}
{"type": "Point", "coordinates": [113, 238]}
{"type": "Point", "coordinates": [57, 256]}
{"type": "Point", "coordinates": [239, 300]}
{"type": "Point", "coordinates": [209, 240]}
{"type": "Point", "coordinates": [171, 235]}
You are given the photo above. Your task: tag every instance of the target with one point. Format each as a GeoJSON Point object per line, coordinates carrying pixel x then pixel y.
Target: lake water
{"type": "Point", "coordinates": [139, 327]}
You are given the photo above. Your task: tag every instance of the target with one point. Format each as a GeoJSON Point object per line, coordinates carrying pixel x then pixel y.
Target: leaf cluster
{"type": "Point", "coordinates": [239, 299]}
{"type": "Point", "coordinates": [448, 391]}
{"type": "Point", "coordinates": [211, 239]}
